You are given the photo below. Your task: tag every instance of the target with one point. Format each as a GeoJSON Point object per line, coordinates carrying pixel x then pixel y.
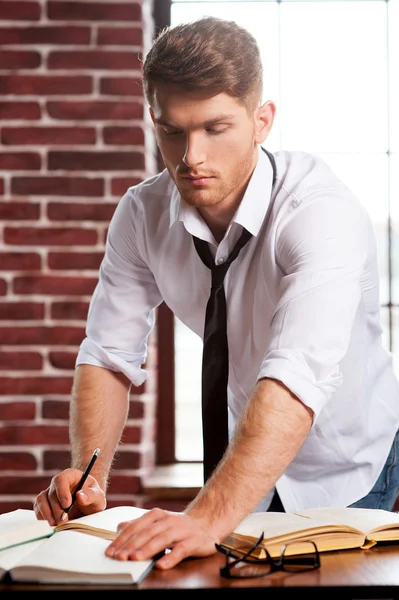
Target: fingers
{"type": "Point", "coordinates": [51, 502]}
{"type": "Point", "coordinates": [160, 533]}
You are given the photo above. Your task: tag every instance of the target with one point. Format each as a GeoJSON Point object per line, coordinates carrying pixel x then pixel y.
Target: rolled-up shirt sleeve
{"type": "Point", "coordinates": [321, 249]}
{"type": "Point", "coordinates": [122, 309]}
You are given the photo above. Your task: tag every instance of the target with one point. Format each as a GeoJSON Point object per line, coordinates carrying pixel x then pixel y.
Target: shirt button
{"type": "Point", "coordinates": [220, 260]}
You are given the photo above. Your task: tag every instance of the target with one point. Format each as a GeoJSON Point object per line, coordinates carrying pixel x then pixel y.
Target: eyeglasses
{"type": "Point", "coordinates": [257, 561]}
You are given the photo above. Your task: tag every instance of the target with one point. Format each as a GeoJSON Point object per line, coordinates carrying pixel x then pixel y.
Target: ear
{"type": "Point", "coordinates": [264, 117]}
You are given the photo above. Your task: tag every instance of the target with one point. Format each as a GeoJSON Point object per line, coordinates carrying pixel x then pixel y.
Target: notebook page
{"type": "Point", "coordinates": [275, 524]}
{"type": "Point", "coordinates": [70, 552]}
{"type": "Point", "coordinates": [109, 518]}
{"type": "Point", "coordinates": [364, 519]}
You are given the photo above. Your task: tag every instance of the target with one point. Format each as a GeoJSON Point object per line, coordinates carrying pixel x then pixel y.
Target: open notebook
{"type": "Point", "coordinates": [72, 552]}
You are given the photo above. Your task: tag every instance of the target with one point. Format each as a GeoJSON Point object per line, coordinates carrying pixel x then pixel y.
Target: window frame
{"type": "Point", "coordinates": [165, 411]}
{"type": "Point", "coordinates": [166, 425]}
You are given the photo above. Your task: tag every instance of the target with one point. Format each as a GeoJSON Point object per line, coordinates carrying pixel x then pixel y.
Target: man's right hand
{"type": "Point", "coordinates": [51, 502]}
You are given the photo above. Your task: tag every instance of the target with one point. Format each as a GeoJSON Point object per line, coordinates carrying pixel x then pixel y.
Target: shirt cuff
{"type": "Point", "coordinates": [91, 353]}
{"type": "Point", "coordinates": [292, 370]}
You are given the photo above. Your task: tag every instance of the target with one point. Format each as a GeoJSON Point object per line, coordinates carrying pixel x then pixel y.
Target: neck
{"type": "Point", "coordinates": [217, 223]}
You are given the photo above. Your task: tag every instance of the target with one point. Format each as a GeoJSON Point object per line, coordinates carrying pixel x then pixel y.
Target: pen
{"type": "Point", "coordinates": [82, 480]}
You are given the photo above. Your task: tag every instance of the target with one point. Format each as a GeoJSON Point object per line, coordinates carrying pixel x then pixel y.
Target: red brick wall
{"type": "Point", "coordinates": [73, 137]}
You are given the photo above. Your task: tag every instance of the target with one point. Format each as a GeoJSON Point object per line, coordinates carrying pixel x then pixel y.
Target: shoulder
{"type": "Point", "coordinates": [158, 187]}
{"type": "Point", "coordinates": [147, 200]}
{"type": "Point", "coordinates": [303, 172]}
{"type": "Point", "coordinates": [305, 179]}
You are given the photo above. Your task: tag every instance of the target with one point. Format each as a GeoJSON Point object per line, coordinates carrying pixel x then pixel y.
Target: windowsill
{"type": "Point", "coordinates": [179, 480]}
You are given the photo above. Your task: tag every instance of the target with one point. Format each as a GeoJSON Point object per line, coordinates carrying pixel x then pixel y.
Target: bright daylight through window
{"type": "Point", "coordinates": [332, 69]}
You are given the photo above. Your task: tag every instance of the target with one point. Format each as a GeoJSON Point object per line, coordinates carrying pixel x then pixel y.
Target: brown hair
{"type": "Point", "coordinates": [209, 55]}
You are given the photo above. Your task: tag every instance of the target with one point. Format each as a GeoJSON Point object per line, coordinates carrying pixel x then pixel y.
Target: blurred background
{"type": "Point", "coordinates": [74, 134]}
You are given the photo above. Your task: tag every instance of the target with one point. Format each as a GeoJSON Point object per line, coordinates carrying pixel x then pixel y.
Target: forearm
{"type": "Point", "coordinates": [99, 408]}
{"type": "Point", "coordinates": [269, 434]}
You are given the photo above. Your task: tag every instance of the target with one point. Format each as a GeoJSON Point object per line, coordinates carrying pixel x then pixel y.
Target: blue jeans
{"type": "Point", "coordinates": [386, 489]}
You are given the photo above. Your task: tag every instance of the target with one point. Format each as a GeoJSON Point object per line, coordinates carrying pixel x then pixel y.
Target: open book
{"type": "Point", "coordinates": [329, 528]}
{"type": "Point", "coordinates": [72, 552]}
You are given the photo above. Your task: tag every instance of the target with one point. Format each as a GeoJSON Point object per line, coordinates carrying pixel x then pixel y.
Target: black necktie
{"type": "Point", "coordinates": [215, 358]}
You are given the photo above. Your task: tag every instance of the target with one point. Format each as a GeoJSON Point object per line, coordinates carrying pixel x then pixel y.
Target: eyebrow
{"type": "Point", "coordinates": [207, 123]}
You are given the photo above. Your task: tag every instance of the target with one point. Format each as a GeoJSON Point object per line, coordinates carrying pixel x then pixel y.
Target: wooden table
{"type": "Point", "coordinates": [350, 574]}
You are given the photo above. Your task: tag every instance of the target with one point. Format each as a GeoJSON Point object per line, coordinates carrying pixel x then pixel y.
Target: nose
{"type": "Point", "coordinates": [195, 151]}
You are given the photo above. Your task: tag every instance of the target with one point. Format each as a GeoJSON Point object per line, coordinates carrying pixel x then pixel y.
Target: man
{"type": "Point", "coordinates": [313, 400]}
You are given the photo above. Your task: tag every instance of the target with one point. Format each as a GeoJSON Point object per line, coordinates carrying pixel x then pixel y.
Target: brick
{"type": "Point", "coordinates": [50, 236]}
{"type": "Point", "coordinates": [19, 210]}
{"type": "Point", "coordinates": [75, 260]}
{"type": "Point", "coordinates": [69, 310]}
{"type": "Point", "coordinates": [3, 287]}
{"type": "Point", "coordinates": [120, 36]}
{"type": "Point", "coordinates": [19, 311]}
{"type": "Point", "coordinates": [62, 360]}
{"type": "Point", "coordinates": [58, 186]}
{"type": "Point", "coordinates": [17, 361]}
{"type": "Point", "coordinates": [95, 110]}
{"type": "Point", "coordinates": [57, 286]}
{"type": "Point", "coordinates": [121, 86]}
{"type": "Point", "coordinates": [32, 386]}
{"type": "Point", "coordinates": [42, 335]}
{"type": "Point", "coordinates": [15, 504]}
{"type": "Point", "coordinates": [136, 409]}
{"type": "Point", "coordinates": [118, 484]}
{"type": "Point", "coordinates": [132, 435]}
{"type": "Point", "coordinates": [17, 411]}
{"type": "Point", "coordinates": [45, 85]}
{"type": "Point", "coordinates": [19, 11]}
{"type": "Point", "coordinates": [47, 136]}
{"type": "Point", "coordinates": [93, 11]}
{"type": "Point", "coordinates": [61, 211]}
{"type": "Point", "coordinates": [56, 409]}
{"type": "Point", "coordinates": [120, 185]}
{"type": "Point", "coordinates": [12, 485]}
{"type": "Point", "coordinates": [46, 34]}
{"type": "Point", "coordinates": [1, 186]}
{"type": "Point", "coordinates": [20, 261]}
{"type": "Point", "coordinates": [20, 161]}
{"type": "Point", "coordinates": [120, 136]}
{"type": "Point", "coordinates": [95, 161]}
{"type": "Point", "coordinates": [20, 110]}
{"type": "Point", "coordinates": [56, 460]}
{"type": "Point", "coordinates": [126, 460]}
{"type": "Point", "coordinates": [19, 59]}
{"type": "Point", "coordinates": [17, 461]}
{"type": "Point", "coordinates": [91, 59]}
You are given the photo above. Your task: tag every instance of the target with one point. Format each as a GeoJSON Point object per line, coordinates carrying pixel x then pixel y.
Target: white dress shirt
{"type": "Point", "coordinates": [302, 303]}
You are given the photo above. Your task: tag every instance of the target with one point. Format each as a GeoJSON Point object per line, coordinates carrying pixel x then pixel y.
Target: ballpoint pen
{"type": "Point", "coordinates": [82, 480]}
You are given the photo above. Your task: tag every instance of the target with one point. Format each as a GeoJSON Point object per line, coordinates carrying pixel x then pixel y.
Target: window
{"type": "Point", "coordinates": [331, 67]}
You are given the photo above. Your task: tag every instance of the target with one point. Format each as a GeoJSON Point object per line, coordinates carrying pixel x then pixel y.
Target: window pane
{"type": "Point", "coordinates": [385, 329]}
{"type": "Point", "coordinates": [393, 13]}
{"type": "Point", "coordinates": [395, 338]}
{"type": "Point", "coordinates": [325, 66]}
{"type": "Point", "coordinates": [188, 357]}
{"type": "Point", "coordinates": [394, 201]}
{"type": "Point", "coordinates": [333, 76]}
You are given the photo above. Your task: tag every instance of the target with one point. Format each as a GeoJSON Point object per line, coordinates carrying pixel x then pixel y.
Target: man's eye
{"type": "Point", "coordinates": [213, 131]}
{"type": "Point", "coordinates": [171, 131]}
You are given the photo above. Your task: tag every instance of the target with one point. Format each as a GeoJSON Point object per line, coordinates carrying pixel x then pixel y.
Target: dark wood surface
{"type": "Point", "coordinates": [351, 574]}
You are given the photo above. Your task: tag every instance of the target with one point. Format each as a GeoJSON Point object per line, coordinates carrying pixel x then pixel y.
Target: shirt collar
{"type": "Point", "coordinates": [250, 213]}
